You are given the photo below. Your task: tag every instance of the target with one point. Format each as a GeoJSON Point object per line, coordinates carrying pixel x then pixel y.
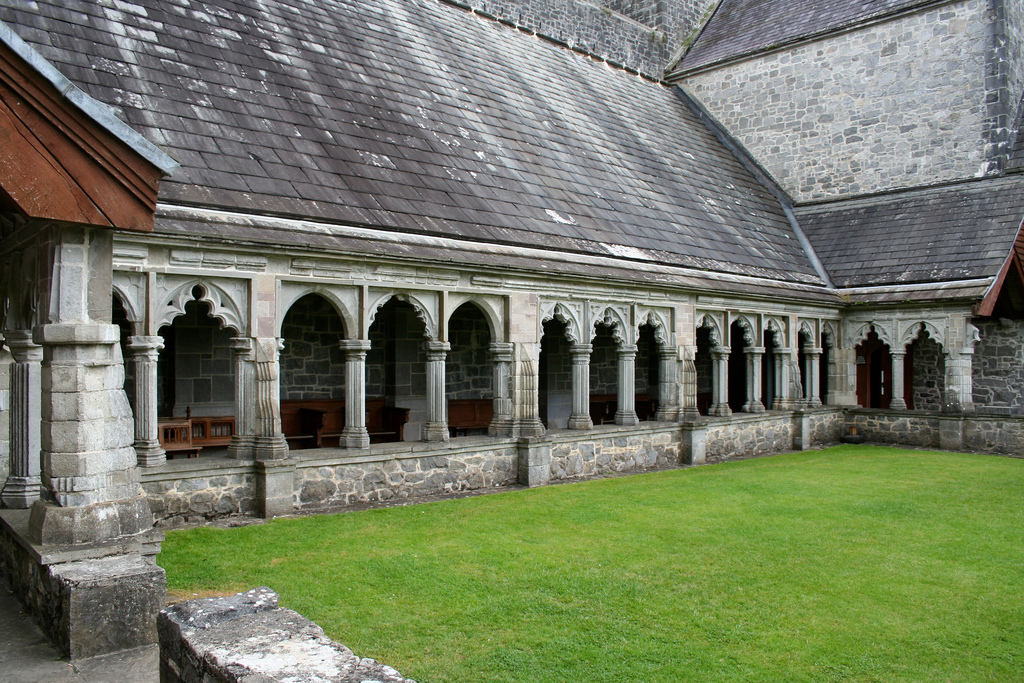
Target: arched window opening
{"type": "Point", "coordinates": [555, 376]}
{"type": "Point", "coordinates": [469, 372]}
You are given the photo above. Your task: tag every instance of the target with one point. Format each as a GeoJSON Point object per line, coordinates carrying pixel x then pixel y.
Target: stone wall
{"type": "Point", "coordinates": [403, 472]}
{"type": "Point", "coordinates": [929, 373]}
{"type": "Point", "coordinates": [897, 428]}
{"type": "Point", "coordinates": [1006, 74]}
{"type": "Point", "coordinates": [616, 449]}
{"type": "Point", "coordinates": [1014, 56]}
{"type": "Point", "coordinates": [247, 637]}
{"type": "Point", "coordinates": [312, 362]}
{"type": "Point", "coordinates": [978, 433]}
{"type": "Point", "coordinates": [998, 366]}
{"type": "Point", "coordinates": [639, 34]}
{"type": "Point", "coordinates": [744, 435]}
{"type": "Point", "coordinates": [865, 111]}
{"type": "Point", "coordinates": [604, 363]}
{"type": "Point", "coordinates": [202, 370]}
{"type": "Point", "coordinates": [1002, 435]}
{"type": "Point", "coordinates": [826, 426]}
{"type": "Point", "coordinates": [468, 368]}
{"type": "Point", "coordinates": [185, 491]}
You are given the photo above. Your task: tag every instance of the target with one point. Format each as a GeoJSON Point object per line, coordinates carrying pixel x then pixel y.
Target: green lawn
{"type": "Point", "coordinates": [854, 563]}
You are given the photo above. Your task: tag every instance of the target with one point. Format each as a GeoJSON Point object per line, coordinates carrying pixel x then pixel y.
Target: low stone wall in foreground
{"type": "Point", "coordinates": [247, 637]}
{"type": "Point", "coordinates": [1002, 435]}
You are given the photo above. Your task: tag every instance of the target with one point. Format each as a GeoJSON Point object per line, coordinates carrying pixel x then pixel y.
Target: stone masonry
{"type": "Point", "coordinates": [864, 111]}
{"type": "Point", "coordinates": [999, 366]}
{"type": "Point", "coordinates": [312, 362]}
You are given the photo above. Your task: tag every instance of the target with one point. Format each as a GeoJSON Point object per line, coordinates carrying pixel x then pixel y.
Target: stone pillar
{"type": "Point", "coordinates": [580, 418]}
{"type": "Point", "coordinates": [842, 376]}
{"type": "Point", "coordinates": [354, 435]}
{"type": "Point", "coordinates": [626, 413]}
{"type": "Point", "coordinates": [668, 384]}
{"type": "Point", "coordinates": [688, 404]}
{"type": "Point", "coordinates": [720, 382]}
{"type": "Point", "coordinates": [436, 428]}
{"type": "Point", "coordinates": [269, 442]}
{"type": "Point", "coordinates": [812, 369]}
{"type": "Point", "coordinates": [534, 466]}
{"type": "Point", "coordinates": [91, 489]}
{"type": "Point", "coordinates": [896, 401]}
{"type": "Point", "coordinates": [243, 440]}
{"type": "Point", "coordinates": [502, 424]}
{"type": "Point", "coordinates": [144, 353]}
{"type": "Point", "coordinates": [23, 481]}
{"type": "Point", "coordinates": [959, 396]}
{"type": "Point", "coordinates": [753, 356]}
{"type": "Point", "coordinates": [525, 390]}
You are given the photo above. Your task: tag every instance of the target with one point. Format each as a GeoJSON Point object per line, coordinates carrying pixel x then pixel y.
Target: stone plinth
{"type": "Point", "coordinates": [89, 599]}
{"type": "Point", "coordinates": [247, 637]}
{"type": "Point", "coordinates": [534, 461]}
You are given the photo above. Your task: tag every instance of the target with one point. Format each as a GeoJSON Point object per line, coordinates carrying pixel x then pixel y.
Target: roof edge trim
{"type": "Point", "coordinates": [94, 109]}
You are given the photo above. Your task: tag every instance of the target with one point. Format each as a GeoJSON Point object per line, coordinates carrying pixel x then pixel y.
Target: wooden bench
{"type": "Point", "coordinates": [213, 431]}
{"type": "Point", "coordinates": [176, 437]}
{"type": "Point", "coordinates": [465, 414]}
{"type": "Point", "coordinates": [319, 423]}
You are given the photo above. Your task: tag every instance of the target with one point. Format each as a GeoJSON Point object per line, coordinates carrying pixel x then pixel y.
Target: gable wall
{"type": "Point", "coordinates": [894, 105]}
{"type": "Point", "coordinates": [640, 34]}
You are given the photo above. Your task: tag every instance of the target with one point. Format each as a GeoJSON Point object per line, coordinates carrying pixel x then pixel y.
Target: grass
{"type": "Point", "coordinates": [853, 563]}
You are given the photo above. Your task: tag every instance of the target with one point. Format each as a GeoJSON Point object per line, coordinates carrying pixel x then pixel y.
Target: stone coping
{"type": "Point", "coordinates": [931, 414]}
{"type": "Point", "coordinates": [15, 522]}
{"type": "Point", "coordinates": [741, 418]}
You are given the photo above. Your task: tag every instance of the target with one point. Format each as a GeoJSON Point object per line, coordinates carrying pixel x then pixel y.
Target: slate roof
{"type": "Point", "coordinates": [416, 116]}
{"type": "Point", "coordinates": [743, 27]}
{"type": "Point", "coordinates": [939, 234]}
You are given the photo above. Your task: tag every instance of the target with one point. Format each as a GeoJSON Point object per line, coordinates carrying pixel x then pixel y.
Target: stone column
{"type": "Point", "coordinates": [354, 435]}
{"type": "Point", "coordinates": [626, 413]}
{"type": "Point", "coordinates": [753, 356]}
{"type": "Point", "coordinates": [580, 418]}
{"type": "Point", "coordinates": [668, 384]}
{"type": "Point", "coordinates": [896, 401]}
{"type": "Point", "coordinates": [688, 405]}
{"type": "Point", "coordinates": [959, 396]}
{"type": "Point", "coordinates": [436, 428]}
{"type": "Point", "coordinates": [842, 376]}
{"type": "Point", "coordinates": [502, 424]}
{"type": "Point", "coordinates": [525, 390]}
{"type": "Point", "coordinates": [144, 354]}
{"type": "Point", "coordinates": [91, 487]}
{"type": "Point", "coordinates": [244, 439]}
{"type": "Point", "coordinates": [23, 481]}
{"type": "Point", "coordinates": [269, 442]}
{"type": "Point", "coordinates": [720, 382]}
{"type": "Point", "coordinates": [812, 368]}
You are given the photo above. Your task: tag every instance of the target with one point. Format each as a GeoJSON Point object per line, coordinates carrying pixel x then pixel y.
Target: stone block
{"type": "Point", "coordinates": [534, 461]}
{"type": "Point", "coordinates": [275, 482]}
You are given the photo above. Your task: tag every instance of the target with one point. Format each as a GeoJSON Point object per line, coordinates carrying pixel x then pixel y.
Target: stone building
{"type": "Point", "coordinates": [260, 257]}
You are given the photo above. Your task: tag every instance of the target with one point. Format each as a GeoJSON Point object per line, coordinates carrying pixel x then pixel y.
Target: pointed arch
{"type": "Point", "coordinates": [750, 336]}
{"type": "Point", "coordinates": [708, 320]}
{"type": "Point", "coordinates": [568, 316]}
{"type": "Point", "coordinates": [658, 322]}
{"type": "Point", "coordinates": [913, 332]}
{"type": "Point", "coordinates": [292, 292]}
{"type": "Point", "coordinates": [131, 296]}
{"type": "Point", "coordinates": [613, 318]}
{"type": "Point", "coordinates": [487, 305]}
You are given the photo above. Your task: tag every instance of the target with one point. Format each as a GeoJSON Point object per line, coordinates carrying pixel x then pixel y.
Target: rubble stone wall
{"type": "Point", "coordinates": [191, 493]}
{"type": "Point", "coordinates": [612, 449]}
{"type": "Point", "coordinates": [998, 366]}
{"type": "Point", "coordinates": [748, 435]}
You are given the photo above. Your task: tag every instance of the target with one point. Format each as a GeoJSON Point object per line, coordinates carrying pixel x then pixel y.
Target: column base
{"type": "Point", "coordinates": [355, 437]}
{"type": "Point", "coordinates": [89, 600]}
{"type": "Point", "coordinates": [897, 404]}
{"type": "Point", "coordinates": [690, 415]}
{"type": "Point", "coordinates": [20, 492]}
{"type": "Point", "coordinates": [50, 524]}
{"type": "Point", "coordinates": [502, 427]}
{"type": "Point", "coordinates": [626, 418]}
{"type": "Point", "coordinates": [580, 422]}
{"type": "Point", "coordinates": [270, 448]}
{"type": "Point", "coordinates": [149, 454]}
{"type": "Point", "coordinates": [529, 428]}
{"type": "Point", "coordinates": [754, 407]}
{"type": "Point", "coordinates": [241, 447]}
{"type": "Point", "coordinates": [668, 414]}
{"type": "Point", "coordinates": [720, 410]}
{"type": "Point", "coordinates": [814, 403]}
{"type": "Point", "coordinates": [435, 431]}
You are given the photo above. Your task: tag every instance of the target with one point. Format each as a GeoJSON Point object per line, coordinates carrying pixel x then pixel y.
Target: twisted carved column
{"type": "Point", "coordinates": [502, 424]}
{"type": "Point", "coordinates": [354, 435]}
{"type": "Point", "coordinates": [145, 351]}
{"type": "Point", "coordinates": [436, 427]}
{"type": "Point", "coordinates": [270, 443]}
{"type": "Point", "coordinates": [580, 417]}
{"type": "Point", "coordinates": [23, 482]}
